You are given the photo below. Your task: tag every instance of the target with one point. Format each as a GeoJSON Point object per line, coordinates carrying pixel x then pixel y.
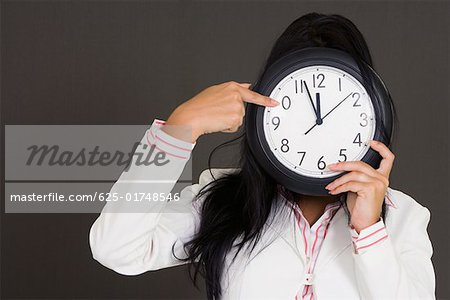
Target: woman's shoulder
{"type": "Point", "coordinates": [407, 224]}
{"type": "Point", "coordinates": [402, 202]}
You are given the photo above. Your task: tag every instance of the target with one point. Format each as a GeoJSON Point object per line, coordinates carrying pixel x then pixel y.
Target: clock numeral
{"type": "Point", "coordinates": [341, 153]}
{"type": "Point", "coordinates": [340, 84]}
{"type": "Point", "coordinates": [357, 140]}
{"type": "Point", "coordinates": [303, 156]}
{"type": "Point", "coordinates": [286, 102]}
{"type": "Point", "coordinates": [321, 164]}
{"type": "Point", "coordinates": [296, 86]}
{"type": "Point", "coordinates": [318, 79]}
{"type": "Point", "coordinates": [364, 116]}
{"type": "Point", "coordinates": [357, 96]}
{"type": "Point", "coordinates": [284, 145]}
{"type": "Point", "coordinates": [276, 122]}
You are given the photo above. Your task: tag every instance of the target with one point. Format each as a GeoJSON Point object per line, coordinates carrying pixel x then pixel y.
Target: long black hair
{"type": "Point", "coordinates": [237, 205]}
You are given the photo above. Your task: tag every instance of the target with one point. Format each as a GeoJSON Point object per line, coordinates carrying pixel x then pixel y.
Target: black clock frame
{"type": "Point", "coordinates": [284, 66]}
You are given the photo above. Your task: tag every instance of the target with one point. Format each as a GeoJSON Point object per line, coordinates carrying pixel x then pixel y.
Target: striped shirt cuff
{"type": "Point", "coordinates": [173, 147]}
{"type": "Point", "coordinates": [368, 237]}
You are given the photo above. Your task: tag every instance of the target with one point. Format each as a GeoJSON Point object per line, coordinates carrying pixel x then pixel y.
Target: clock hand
{"type": "Point", "coordinates": [329, 112]}
{"type": "Point", "coordinates": [310, 98]}
{"type": "Point", "coordinates": [319, 118]}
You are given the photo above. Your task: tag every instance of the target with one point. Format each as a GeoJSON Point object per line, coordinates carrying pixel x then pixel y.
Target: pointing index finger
{"type": "Point", "coordinates": [256, 98]}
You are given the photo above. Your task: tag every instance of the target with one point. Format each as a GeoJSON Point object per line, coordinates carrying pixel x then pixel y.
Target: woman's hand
{"type": "Point", "coordinates": [216, 108]}
{"type": "Point", "coordinates": [367, 187]}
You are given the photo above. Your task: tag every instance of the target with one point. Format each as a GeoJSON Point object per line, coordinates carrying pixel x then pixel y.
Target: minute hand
{"type": "Point", "coordinates": [330, 112]}
{"type": "Point", "coordinates": [311, 100]}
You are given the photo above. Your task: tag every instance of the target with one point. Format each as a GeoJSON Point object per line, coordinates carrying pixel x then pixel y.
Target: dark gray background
{"type": "Point", "coordinates": [128, 62]}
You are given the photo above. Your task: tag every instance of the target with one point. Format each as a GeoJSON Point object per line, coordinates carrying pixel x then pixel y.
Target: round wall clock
{"type": "Point", "coordinates": [330, 106]}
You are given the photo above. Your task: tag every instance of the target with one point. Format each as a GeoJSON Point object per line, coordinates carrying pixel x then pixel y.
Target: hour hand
{"type": "Point", "coordinates": [318, 113]}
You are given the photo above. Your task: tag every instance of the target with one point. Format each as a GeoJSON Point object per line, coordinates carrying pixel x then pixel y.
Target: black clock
{"type": "Point", "coordinates": [330, 106]}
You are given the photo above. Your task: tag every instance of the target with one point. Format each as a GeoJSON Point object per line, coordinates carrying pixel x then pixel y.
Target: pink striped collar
{"type": "Point", "coordinates": [329, 208]}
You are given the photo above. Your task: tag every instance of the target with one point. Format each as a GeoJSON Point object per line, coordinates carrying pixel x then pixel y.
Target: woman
{"type": "Point", "coordinates": [252, 238]}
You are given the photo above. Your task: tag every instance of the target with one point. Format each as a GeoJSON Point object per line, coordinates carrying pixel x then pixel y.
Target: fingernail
{"type": "Point", "coordinates": [274, 102]}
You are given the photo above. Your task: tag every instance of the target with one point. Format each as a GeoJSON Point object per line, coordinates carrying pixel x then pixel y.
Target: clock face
{"type": "Point", "coordinates": [325, 116]}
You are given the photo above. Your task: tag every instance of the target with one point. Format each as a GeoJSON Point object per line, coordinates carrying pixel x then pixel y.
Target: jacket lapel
{"type": "Point", "coordinates": [337, 240]}
{"type": "Point", "coordinates": [285, 227]}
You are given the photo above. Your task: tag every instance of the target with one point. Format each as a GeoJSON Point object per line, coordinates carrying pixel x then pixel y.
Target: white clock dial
{"type": "Point", "coordinates": [306, 141]}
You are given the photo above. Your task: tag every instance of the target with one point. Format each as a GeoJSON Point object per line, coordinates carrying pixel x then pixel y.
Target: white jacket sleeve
{"type": "Point", "coordinates": [132, 237]}
{"type": "Point", "coordinates": [402, 272]}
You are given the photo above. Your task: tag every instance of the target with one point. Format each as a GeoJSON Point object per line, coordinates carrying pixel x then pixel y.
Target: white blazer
{"type": "Point", "coordinates": [132, 243]}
